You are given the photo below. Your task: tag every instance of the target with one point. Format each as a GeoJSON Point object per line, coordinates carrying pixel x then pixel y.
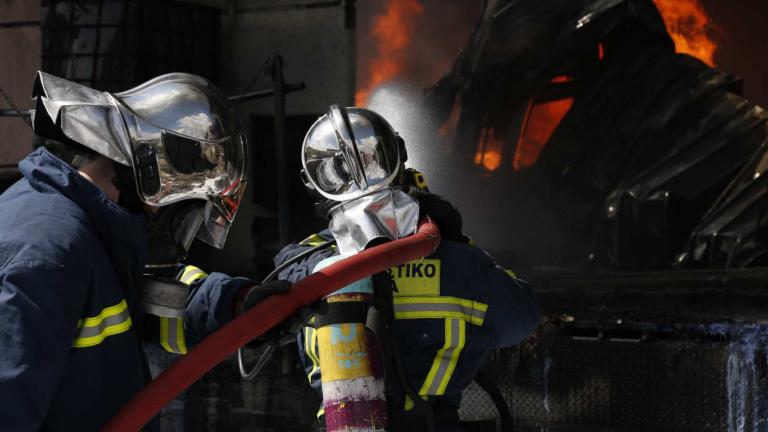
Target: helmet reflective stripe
{"type": "Point", "coordinates": [348, 145]}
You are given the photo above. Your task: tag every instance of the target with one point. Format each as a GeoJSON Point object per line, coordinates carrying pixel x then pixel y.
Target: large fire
{"type": "Point", "coordinates": [539, 124]}
{"type": "Point", "coordinates": [690, 27]}
{"type": "Point", "coordinates": [686, 20]}
{"type": "Point", "coordinates": [392, 32]}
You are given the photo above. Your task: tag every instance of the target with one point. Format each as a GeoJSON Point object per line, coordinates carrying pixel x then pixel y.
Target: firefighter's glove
{"type": "Point", "coordinates": [258, 293]}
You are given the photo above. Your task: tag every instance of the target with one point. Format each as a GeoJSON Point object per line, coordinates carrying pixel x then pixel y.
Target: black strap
{"type": "Point", "coordinates": [342, 312]}
{"type": "Point", "coordinates": [394, 374]}
{"type": "Point", "coordinates": [486, 383]}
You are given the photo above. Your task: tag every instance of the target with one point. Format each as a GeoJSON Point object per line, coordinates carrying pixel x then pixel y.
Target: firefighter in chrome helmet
{"type": "Point", "coordinates": [155, 166]}
{"type": "Point", "coordinates": [450, 309]}
{"type": "Point", "coordinates": [354, 160]}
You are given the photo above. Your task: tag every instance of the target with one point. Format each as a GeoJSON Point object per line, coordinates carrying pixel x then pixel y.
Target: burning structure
{"type": "Point", "coordinates": [629, 178]}
{"type": "Point", "coordinates": [591, 107]}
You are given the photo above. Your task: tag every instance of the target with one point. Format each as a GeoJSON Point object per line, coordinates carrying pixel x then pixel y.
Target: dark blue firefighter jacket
{"type": "Point", "coordinates": [451, 310]}
{"type": "Point", "coordinates": [70, 266]}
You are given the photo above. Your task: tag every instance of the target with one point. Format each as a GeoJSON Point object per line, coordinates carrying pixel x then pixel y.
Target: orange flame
{"type": "Point", "coordinates": [392, 32]}
{"type": "Point", "coordinates": [541, 121]}
{"type": "Point", "coordinates": [690, 27]}
{"type": "Point", "coordinates": [489, 150]}
{"type": "Point", "coordinates": [539, 125]}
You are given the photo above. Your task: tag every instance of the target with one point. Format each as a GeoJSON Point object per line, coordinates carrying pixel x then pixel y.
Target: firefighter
{"type": "Point", "coordinates": [144, 173]}
{"type": "Point", "coordinates": [450, 309]}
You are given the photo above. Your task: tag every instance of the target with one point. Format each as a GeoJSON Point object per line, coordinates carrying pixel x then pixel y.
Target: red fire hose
{"type": "Point", "coordinates": [265, 315]}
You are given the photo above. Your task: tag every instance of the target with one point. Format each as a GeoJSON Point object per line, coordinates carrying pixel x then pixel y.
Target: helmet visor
{"type": "Point", "coordinates": [219, 215]}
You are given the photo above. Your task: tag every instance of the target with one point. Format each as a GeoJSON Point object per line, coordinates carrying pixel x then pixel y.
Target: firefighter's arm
{"type": "Point", "coordinates": [513, 312]}
{"type": "Point", "coordinates": [39, 313]}
{"type": "Point", "coordinates": [216, 298]}
{"type": "Point", "coordinates": [304, 267]}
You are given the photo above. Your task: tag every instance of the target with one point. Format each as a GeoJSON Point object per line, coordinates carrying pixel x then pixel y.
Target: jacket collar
{"type": "Point", "coordinates": [118, 229]}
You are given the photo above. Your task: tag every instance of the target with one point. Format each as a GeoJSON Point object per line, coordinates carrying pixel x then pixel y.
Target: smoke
{"type": "Point", "coordinates": [392, 32]}
{"type": "Point", "coordinates": [401, 104]}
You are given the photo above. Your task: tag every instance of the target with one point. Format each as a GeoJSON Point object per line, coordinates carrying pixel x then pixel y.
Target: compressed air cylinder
{"type": "Point", "coordinates": [350, 361]}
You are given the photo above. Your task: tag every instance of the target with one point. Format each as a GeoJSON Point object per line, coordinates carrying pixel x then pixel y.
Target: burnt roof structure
{"type": "Point", "coordinates": [653, 160]}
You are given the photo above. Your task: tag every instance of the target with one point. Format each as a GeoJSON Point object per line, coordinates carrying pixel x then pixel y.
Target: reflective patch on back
{"type": "Point", "coordinates": [417, 278]}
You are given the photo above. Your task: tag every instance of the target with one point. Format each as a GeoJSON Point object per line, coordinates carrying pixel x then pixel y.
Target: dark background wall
{"type": "Point", "coordinates": [742, 37]}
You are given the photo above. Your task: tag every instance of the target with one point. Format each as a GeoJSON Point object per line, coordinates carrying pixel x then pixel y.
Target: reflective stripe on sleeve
{"type": "Point", "coordinates": [313, 240]}
{"type": "Point", "coordinates": [172, 335]}
{"type": "Point", "coordinates": [110, 321]}
{"type": "Point", "coordinates": [192, 274]}
{"type": "Point", "coordinates": [440, 307]}
{"type": "Point", "coordinates": [446, 358]}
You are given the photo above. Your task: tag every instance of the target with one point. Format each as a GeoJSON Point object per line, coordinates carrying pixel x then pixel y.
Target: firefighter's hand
{"type": "Point", "coordinates": [259, 293]}
{"type": "Point", "coordinates": [444, 214]}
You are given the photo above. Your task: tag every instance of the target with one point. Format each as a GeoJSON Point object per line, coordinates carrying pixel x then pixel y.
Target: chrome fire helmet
{"type": "Point", "coordinates": [349, 153]}
{"type": "Point", "coordinates": [178, 132]}
{"type": "Point", "coordinates": [354, 159]}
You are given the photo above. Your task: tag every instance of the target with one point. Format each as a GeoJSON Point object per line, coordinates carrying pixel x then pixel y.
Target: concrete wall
{"type": "Point", "coordinates": [315, 37]}
{"type": "Point", "coordinates": [318, 44]}
{"type": "Point", "coordinates": [19, 59]}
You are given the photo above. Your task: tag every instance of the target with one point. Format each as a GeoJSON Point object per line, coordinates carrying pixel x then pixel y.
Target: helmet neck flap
{"type": "Point", "coordinates": [353, 160]}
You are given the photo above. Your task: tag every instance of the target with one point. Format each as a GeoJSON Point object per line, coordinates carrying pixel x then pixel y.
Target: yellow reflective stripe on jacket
{"type": "Point", "coordinates": [417, 278]}
{"type": "Point", "coordinates": [313, 240]}
{"type": "Point", "coordinates": [172, 335]}
{"type": "Point", "coordinates": [310, 348]}
{"type": "Point", "coordinates": [110, 321]}
{"type": "Point", "coordinates": [192, 274]}
{"type": "Point", "coordinates": [408, 403]}
{"type": "Point", "coordinates": [455, 312]}
{"type": "Point", "coordinates": [446, 358]}
{"type": "Point", "coordinates": [440, 307]}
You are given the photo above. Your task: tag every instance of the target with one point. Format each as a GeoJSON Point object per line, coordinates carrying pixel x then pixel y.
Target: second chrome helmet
{"type": "Point", "coordinates": [349, 153]}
